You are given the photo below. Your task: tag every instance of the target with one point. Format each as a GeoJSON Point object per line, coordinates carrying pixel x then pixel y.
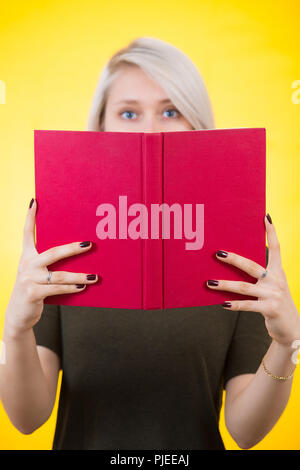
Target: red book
{"type": "Point", "coordinates": [157, 207]}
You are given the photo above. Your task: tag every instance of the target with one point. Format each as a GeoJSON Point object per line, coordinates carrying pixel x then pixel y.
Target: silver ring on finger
{"type": "Point", "coordinates": [264, 274]}
{"type": "Point", "coordinates": [49, 277]}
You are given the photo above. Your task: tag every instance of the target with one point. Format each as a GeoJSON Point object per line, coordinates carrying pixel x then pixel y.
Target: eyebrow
{"type": "Point", "coordinates": [166, 100]}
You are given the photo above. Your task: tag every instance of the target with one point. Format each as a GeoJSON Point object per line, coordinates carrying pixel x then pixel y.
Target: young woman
{"type": "Point", "coordinates": [136, 379]}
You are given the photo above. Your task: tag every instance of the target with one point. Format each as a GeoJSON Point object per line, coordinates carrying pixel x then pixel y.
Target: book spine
{"type": "Point", "coordinates": [152, 198]}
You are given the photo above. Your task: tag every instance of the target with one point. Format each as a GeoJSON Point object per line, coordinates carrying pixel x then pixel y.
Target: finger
{"type": "Point", "coordinates": [246, 305]}
{"type": "Point", "coordinates": [240, 287]}
{"type": "Point", "coordinates": [44, 291]}
{"type": "Point", "coordinates": [249, 266]}
{"type": "Point", "coordinates": [62, 251]}
{"type": "Point", "coordinates": [65, 277]}
{"type": "Point", "coordinates": [273, 243]}
{"type": "Point", "coordinates": [29, 227]}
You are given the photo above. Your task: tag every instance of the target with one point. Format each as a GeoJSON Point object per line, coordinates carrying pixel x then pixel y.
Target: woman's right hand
{"type": "Point", "coordinates": [31, 286]}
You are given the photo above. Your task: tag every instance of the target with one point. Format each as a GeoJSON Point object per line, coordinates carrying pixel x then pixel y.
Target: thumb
{"type": "Point", "coordinates": [29, 228]}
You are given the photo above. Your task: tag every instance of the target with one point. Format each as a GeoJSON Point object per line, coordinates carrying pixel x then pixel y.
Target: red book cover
{"type": "Point", "coordinates": [156, 206]}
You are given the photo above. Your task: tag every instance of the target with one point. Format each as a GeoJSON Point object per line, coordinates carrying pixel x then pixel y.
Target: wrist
{"type": "Point", "coordinates": [285, 354]}
{"type": "Point", "coordinates": [283, 349]}
{"type": "Point", "coordinates": [13, 330]}
{"type": "Point", "coordinates": [292, 336]}
{"type": "Point", "coordinates": [20, 317]}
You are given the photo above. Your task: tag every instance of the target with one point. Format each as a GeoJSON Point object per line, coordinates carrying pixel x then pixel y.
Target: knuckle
{"type": "Point", "coordinates": [30, 292]}
{"type": "Point", "coordinates": [53, 250]}
{"type": "Point", "coordinates": [245, 287]}
{"type": "Point", "coordinates": [276, 296]}
{"type": "Point", "coordinates": [246, 305]}
{"type": "Point", "coordinates": [273, 305]}
{"type": "Point", "coordinates": [21, 269]}
{"type": "Point", "coordinates": [59, 276]}
{"type": "Point", "coordinates": [56, 251]}
{"type": "Point", "coordinates": [61, 289]}
{"type": "Point", "coordinates": [234, 305]}
{"type": "Point", "coordinates": [281, 284]}
{"type": "Point", "coordinates": [233, 258]}
{"type": "Point", "coordinates": [24, 279]}
{"type": "Point", "coordinates": [25, 228]}
{"type": "Point", "coordinates": [47, 254]}
{"type": "Point", "coordinates": [276, 245]}
{"type": "Point", "coordinates": [23, 264]}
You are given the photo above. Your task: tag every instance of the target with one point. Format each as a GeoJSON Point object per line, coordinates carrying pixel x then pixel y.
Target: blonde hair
{"type": "Point", "coordinates": [167, 66]}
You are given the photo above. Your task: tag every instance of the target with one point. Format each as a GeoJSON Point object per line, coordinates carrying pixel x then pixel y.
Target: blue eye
{"type": "Point", "coordinates": [172, 109]}
{"type": "Point", "coordinates": [129, 112]}
{"type": "Point", "coordinates": [128, 115]}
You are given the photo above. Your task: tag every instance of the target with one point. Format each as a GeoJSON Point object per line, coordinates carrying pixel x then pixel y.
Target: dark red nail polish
{"type": "Point", "coordinates": [222, 254]}
{"type": "Point", "coordinates": [269, 218]}
{"type": "Point", "coordinates": [84, 244]}
{"type": "Point", "coordinates": [227, 304]}
{"type": "Point", "coordinates": [31, 203]}
{"type": "Point", "coordinates": [80, 286]}
{"type": "Point", "coordinates": [212, 282]}
{"type": "Point", "coordinates": [91, 277]}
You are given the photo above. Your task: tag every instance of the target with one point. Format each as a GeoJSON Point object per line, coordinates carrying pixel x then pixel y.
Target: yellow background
{"type": "Point", "coordinates": [51, 55]}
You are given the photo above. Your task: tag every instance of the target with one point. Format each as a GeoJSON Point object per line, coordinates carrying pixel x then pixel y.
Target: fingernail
{"type": "Point", "coordinates": [269, 218]}
{"type": "Point", "coordinates": [227, 304]}
{"type": "Point", "coordinates": [80, 286]}
{"type": "Point", "coordinates": [91, 277]}
{"type": "Point", "coordinates": [212, 282]}
{"type": "Point", "coordinates": [84, 244]}
{"type": "Point", "coordinates": [222, 254]}
{"type": "Point", "coordinates": [31, 202]}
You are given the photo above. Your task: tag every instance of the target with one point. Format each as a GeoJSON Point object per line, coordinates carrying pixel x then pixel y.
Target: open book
{"type": "Point", "coordinates": [157, 207]}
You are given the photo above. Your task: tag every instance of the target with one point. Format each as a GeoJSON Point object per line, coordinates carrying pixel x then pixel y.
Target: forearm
{"type": "Point", "coordinates": [23, 386]}
{"type": "Point", "coordinates": [258, 407]}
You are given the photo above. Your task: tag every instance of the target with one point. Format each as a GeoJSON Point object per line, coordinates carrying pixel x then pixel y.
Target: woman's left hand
{"type": "Point", "coordinates": [274, 300]}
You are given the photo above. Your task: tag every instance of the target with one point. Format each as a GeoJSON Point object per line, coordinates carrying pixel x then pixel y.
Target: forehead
{"type": "Point", "coordinates": [132, 83]}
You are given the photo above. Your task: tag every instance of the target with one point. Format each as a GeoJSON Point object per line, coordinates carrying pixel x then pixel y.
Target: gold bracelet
{"type": "Point", "coordinates": [278, 377]}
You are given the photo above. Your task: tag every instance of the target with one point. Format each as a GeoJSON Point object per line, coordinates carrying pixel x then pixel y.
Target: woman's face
{"type": "Point", "coordinates": [137, 104]}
